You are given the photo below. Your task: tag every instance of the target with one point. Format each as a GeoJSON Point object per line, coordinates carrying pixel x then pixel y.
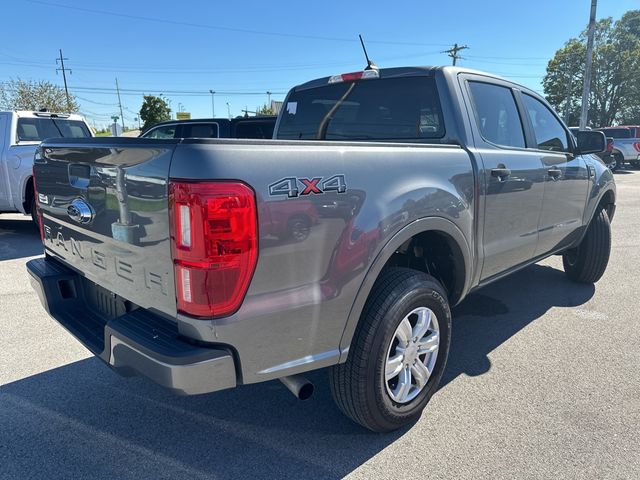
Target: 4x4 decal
{"type": "Point", "coordinates": [289, 186]}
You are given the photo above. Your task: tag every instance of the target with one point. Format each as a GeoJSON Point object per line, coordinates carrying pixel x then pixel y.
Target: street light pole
{"type": "Point", "coordinates": [269, 97]}
{"type": "Point", "coordinates": [587, 71]}
{"type": "Point", "coordinates": [229, 110]}
{"type": "Point", "coordinates": [213, 105]}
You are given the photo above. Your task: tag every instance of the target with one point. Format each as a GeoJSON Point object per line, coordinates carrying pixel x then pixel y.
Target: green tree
{"type": "Point", "coordinates": [17, 94]}
{"type": "Point", "coordinates": [265, 110]}
{"type": "Point", "coordinates": [615, 80]}
{"type": "Point", "coordinates": [154, 110]}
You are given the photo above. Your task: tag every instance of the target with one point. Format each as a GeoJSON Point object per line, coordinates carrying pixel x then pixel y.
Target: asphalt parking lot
{"type": "Point", "coordinates": [543, 382]}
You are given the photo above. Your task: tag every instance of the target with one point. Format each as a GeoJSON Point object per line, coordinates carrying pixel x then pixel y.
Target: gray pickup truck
{"type": "Point", "coordinates": [385, 197]}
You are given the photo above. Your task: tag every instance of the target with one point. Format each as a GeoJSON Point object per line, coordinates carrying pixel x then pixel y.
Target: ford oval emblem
{"type": "Point", "coordinates": [80, 211]}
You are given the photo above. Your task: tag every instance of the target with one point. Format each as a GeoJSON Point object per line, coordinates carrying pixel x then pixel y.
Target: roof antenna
{"type": "Point", "coordinates": [370, 64]}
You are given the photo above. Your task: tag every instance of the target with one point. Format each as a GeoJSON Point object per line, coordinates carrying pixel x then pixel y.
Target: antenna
{"type": "Point", "coordinates": [370, 64]}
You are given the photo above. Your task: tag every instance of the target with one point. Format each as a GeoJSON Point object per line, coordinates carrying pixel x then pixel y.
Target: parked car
{"type": "Point", "coordinates": [241, 127]}
{"type": "Point", "coordinates": [626, 144]}
{"type": "Point", "coordinates": [458, 178]}
{"type": "Point", "coordinates": [20, 134]}
{"type": "Point", "coordinates": [606, 156]}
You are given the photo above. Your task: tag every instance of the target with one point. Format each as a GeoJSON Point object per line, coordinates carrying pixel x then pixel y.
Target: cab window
{"type": "Point", "coordinates": [497, 114]}
{"type": "Point", "coordinates": [549, 132]}
{"type": "Point", "coordinates": [168, 131]}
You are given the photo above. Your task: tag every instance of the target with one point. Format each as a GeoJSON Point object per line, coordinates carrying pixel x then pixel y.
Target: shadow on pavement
{"type": "Point", "coordinates": [19, 238]}
{"type": "Point", "coordinates": [83, 421]}
{"type": "Point", "coordinates": [492, 315]}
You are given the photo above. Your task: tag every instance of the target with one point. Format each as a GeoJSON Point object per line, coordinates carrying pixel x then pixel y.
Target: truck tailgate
{"type": "Point", "coordinates": [104, 207]}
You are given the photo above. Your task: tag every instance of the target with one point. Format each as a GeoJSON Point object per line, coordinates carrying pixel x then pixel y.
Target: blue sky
{"type": "Point", "coordinates": [241, 50]}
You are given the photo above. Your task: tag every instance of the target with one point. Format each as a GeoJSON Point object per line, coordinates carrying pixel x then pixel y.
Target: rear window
{"type": "Point", "coordinates": [616, 132]}
{"type": "Point", "coordinates": [262, 129]}
{"type": "Point", "coordinates": [199, 130]}
{"type": "Point", "coordinates": [39, 129]}
{"type": "Point", "coordinates": [394, 109]}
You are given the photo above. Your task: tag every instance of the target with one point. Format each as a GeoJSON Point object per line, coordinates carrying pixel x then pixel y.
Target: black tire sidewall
{"type": "Point", "coordinates": [426, 293]}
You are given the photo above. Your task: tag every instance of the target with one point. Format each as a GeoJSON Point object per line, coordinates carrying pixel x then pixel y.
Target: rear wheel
{"type": "Point", "coordinates": [33, 210]}
{"type": "Point", "coordinates": [298, 228]}
{"type": "Point", "coordinates": [588, 261]}
{"type": "Point", "coordinates": [398, 353]}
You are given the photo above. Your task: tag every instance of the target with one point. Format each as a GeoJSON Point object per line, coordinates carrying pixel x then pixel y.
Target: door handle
{"type": "Point", "coordinates": [554, 173]}
{"type": "Point", "coordinates": [501, 172]}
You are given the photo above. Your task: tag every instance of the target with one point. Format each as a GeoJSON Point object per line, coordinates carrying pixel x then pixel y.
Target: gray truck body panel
{"type": "Point", "coordinates": [306, 295]}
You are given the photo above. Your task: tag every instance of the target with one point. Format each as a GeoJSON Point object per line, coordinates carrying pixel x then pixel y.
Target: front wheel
{"type": "Point", "coordinates": [587, 262]}
{"type": "Point", "coordinates": [398, 352]}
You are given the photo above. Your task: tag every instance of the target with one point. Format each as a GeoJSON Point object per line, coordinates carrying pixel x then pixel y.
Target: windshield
{"type": "Point", "coordinates": [39, 129]}
{"type": "Point", "coordinates": [387, 109]}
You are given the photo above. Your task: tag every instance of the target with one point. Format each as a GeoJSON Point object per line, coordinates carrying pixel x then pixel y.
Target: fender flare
{"type": "Point", "coordinates": [438, 224]}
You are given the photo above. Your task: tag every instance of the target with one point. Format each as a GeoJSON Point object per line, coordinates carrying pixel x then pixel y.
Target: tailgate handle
{"type": "Point", "coordinates": [79, 174]}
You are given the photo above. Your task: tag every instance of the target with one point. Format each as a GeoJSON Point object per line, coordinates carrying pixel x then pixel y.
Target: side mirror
{"type": "Point", "coordinates": [590, 141]}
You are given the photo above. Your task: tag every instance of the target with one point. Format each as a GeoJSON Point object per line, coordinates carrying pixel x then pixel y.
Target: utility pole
{"type": "Point", "coordinates": [269, 97]}
{"type": "Point", "coordinates": [229, 110]}
{"type": "Point", "coordinates": [64, 76]}
{"type": "Point", "coordinates": [568, 101]}
{"type": "Point", "coordinates": [213, 105]}
{"type": "Point", "coordinates": [453, 52]}
{"type": "Point", "coordinates": [120, 104]}
{"type": "Point", "coordinates": [587, 71]}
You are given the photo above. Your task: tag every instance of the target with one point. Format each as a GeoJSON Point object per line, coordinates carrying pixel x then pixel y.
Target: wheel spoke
{"type": "Point", "coordinates": [423, 324]}
{"type": "Point", "coordinates": [429, 344]}
{"type": "Point", "coordinates": [401, 391]}
{"type": "Point", "coordinates": [421, 373]}
{"type": "Point", "coordinates": [403, 333]}
{"type": "Point", "coordinates": [393, 367]}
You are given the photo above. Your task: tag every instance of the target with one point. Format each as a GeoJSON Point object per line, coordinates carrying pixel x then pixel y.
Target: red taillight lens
{"type": "Point", "coordinates": [610, 145]}
{"type": "Point", "coordinates": [636, 145]}
{"type": "Point", "coordinates": [214, 236]}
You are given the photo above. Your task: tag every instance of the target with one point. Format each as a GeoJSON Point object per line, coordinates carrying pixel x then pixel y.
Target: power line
{"type": "Point", "coordinates": [225, 28]}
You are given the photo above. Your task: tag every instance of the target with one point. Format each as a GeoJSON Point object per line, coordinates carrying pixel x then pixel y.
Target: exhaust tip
{"type": "Point", "coordinates": [299, 386]}
{"type": "Point", "coordinates": [306, 391]}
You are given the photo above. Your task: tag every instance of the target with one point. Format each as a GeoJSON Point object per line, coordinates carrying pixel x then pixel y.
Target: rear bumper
{"type": "Point", "coordinates": [137, 342]}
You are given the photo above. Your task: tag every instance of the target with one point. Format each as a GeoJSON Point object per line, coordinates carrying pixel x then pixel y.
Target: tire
{"type": "Point", "coordinates": [359, 386]}
{"type": "Point", "coordinates": [587, 262]}
{"type": "Point", "coordinates": [298, 228]}
{"type": "Point", "coordinates": [635, 164]}
{"type": "Point", "coordinates": [33, 210]}
{"type": "Point", "coordinates": [619, 161]}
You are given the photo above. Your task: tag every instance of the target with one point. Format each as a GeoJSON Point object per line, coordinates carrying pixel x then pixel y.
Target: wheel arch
{"type": "Point", "coordinates": [439, 226]}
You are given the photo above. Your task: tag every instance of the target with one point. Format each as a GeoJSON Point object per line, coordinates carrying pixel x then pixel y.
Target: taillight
{"type": "Point", "coordinates": [610, 145]}
{"type": "Point", "coordinates": [35, 199]}
{"type": "Point", "coordinates": [214, 237]}
{"type": "Point", "coordinates": [353, 76]}
{"type": "Point", "coordinates": [636, 145]}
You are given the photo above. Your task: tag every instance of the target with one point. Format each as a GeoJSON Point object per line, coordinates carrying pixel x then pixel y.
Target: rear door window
{"type": "Point", "coordinates": [497, 114]}
{"type": "Point", "coordinates": [167, 131]}
{"type": "Point", "coordinates": [393, 109]}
